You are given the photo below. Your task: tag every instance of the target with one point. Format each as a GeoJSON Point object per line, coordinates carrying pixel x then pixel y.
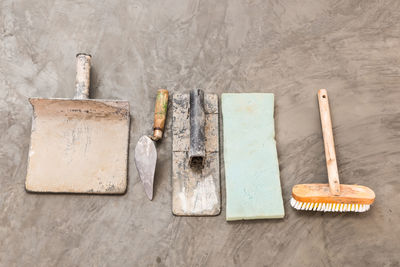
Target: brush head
{"type": "Point", "coordinates": [318, 197]}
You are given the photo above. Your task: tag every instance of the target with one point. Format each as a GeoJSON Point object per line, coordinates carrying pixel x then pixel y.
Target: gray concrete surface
{"type": "Point", "coordinates": [290, 48]}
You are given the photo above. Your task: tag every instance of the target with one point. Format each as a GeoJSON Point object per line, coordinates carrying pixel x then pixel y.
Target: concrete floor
{"type": "Point", "coordinates": [289, 48]}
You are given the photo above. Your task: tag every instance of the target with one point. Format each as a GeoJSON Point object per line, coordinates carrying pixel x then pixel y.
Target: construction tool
{"type": "Point", "coordinates": [253, 188]}
{"type": "Point", "coordinates": [195, 155]}
{"type": "Point", "coordinates": [78, 145]}
{"type": "Point", "coordinates": [333, 196]}
{"type": "Point", "coordinates": [145, 151]}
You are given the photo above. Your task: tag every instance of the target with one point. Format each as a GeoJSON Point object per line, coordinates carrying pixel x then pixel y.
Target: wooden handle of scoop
{"type": "Point", "coordinates": [82, 83]}
{"type": "Point", "coordinates": [329, 144]}
{"type": "Point", "coordinates": [160, 114]}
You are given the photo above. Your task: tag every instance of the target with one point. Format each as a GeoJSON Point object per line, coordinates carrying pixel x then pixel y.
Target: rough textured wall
{"type": "Point", "coordinates": [289, 48]}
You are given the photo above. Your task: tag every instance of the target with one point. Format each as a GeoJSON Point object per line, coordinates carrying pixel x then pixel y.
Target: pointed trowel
{"type": "Point", "coordinates": [145, 151]}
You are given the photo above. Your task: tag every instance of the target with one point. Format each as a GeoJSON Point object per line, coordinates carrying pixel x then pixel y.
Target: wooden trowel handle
{"type": "Point", "coordinates": [329, 144]}
{"type": "Point", "coordinates": [82, 82]}
{"type": "Point", "coordinates": [160, 114]}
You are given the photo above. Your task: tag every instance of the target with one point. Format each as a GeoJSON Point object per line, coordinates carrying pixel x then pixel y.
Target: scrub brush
{"type": "Point", "coordinates": [332, 196]}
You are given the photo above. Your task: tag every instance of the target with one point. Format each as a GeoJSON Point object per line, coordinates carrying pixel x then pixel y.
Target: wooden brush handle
{"type": "Point", "coordinates": [160, 114]}
{"type": "Point", "coordinates": [82, 83]}
{"type": "Point", "coordinates": [329, 144]}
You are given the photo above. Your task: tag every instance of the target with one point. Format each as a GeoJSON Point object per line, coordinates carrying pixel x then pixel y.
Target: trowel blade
{"type": "Point", "coordinates": [146, 159]}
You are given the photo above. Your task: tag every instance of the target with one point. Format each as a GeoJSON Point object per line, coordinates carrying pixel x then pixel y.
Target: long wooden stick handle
{"type": "Point", "coordinates": [160, 114]}
{"type": "Point", "coordinates": [329, 144]}
{"type": "Point", "coordinates": [82, 83]}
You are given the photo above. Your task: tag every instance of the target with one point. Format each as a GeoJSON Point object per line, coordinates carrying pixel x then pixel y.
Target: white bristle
{"type": "Point", "coordinates": [328, 207]}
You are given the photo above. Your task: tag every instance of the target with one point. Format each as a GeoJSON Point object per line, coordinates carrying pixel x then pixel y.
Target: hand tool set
{"type": "Point", "coordinates": [80, 145]}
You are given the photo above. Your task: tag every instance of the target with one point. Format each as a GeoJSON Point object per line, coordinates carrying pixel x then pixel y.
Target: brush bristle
{"type": "Point", "coordinates": [328, 207]}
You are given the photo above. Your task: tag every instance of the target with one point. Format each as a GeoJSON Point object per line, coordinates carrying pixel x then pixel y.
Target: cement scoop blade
{"type": "Point", "coordinates": [78, 146]}
{"type": "Point", "coordinates": [146, 159]}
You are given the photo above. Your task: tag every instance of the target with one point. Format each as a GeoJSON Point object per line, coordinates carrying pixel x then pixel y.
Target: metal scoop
{"type": "Point", "coordinates": [78, 145]}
